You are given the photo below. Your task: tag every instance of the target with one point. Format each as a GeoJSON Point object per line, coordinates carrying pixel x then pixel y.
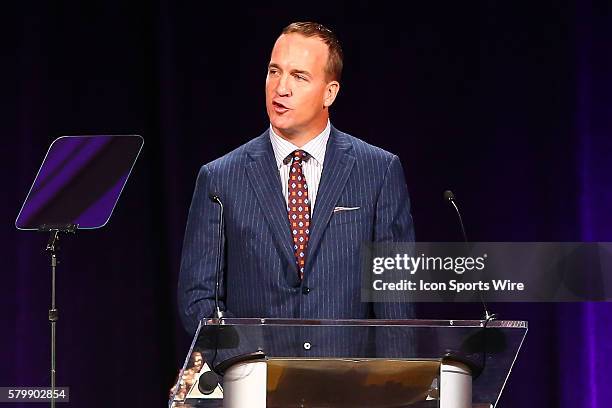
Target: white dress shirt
{"type": "Point", "coordinates": [311, 168]}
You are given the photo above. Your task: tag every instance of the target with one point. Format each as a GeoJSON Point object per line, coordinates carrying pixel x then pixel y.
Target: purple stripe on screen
{"type": "Point", "coordinates": [100, 211]}
{"type": "Point", "coordinates": [62, 152]}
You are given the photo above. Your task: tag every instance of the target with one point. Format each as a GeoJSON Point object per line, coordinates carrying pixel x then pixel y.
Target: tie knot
{"type": "Point", "coordinates": [297, 156]}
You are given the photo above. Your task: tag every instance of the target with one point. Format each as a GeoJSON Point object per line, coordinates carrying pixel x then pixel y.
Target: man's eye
{"type": "Point", "coordinates": [272, 71]}
{"type": "Point", "coordinates": [300, 77]}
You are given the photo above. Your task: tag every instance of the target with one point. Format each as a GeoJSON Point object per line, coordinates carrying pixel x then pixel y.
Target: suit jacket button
{"type": "Point", "coordinates": [307, 346]}
{"type": "Point", "coordinates": [305, 290]}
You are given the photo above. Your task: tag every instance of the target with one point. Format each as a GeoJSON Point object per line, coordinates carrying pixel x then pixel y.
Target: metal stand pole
{"type": "Point", "coordinates": [52, 247]}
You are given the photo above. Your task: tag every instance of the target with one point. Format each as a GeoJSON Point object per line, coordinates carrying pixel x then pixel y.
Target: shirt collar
{"type": "Point", "coordinates": [315, 148]}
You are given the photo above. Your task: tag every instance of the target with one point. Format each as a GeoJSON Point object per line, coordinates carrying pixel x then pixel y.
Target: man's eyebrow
{"type": "Point", "coordinates": [300, 71]}
{"type": "Point", "coordinates": [293, 71]}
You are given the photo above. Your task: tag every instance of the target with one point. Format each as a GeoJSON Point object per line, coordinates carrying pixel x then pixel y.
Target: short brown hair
{"type": "Point", "coordinates": [333, 69]}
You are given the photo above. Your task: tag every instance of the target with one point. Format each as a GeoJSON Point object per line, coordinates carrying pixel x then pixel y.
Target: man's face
{"type": "Point", "coordinates": [298, 92]}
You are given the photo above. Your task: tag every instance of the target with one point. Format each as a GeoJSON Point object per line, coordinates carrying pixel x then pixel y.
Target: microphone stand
{"type": "Point", "coordinates": [208, 382]}
{"type": "Point", "coordinates": [218, 312]}
{"type": "Point", "coordinates": [53, 249]}
{"type": "Point", "coordinates": [488, 316]}
{"type": "Point", "coordinates": [450, 197]}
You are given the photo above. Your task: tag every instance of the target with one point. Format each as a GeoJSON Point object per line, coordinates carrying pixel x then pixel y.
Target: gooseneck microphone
{"type": "Point", "coordinates": [450, 197]}
{"type": "Point", "coordinates": [215, 197]}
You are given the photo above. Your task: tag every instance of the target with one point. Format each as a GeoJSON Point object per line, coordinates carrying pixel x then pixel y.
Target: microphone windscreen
{"type": "Point", "coordinates": [208, 382]}
{"type": "Point", "coordinates": [448, 195]}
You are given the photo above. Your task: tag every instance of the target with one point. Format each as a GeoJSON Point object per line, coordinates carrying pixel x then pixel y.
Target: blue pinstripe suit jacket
{"type": "Point", "coordinates": [260, 275]}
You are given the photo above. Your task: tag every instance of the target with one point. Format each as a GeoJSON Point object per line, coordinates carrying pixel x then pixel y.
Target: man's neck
{"type": "Point", "coordinates": [299, 139]}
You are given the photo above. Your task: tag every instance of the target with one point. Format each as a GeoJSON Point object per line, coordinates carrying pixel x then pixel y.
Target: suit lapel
{"type": "Point", "coordinates": [336, 170]}
{"type": "Point", "coordinates": [265, 181]}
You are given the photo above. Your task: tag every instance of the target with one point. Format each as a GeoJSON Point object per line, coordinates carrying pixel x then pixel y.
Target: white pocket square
{"type": "Point", "coordinates": [336, 209]}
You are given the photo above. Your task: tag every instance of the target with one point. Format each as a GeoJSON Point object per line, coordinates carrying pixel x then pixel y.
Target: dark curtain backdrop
{"type": "Point", "coordinates": [509, 104]}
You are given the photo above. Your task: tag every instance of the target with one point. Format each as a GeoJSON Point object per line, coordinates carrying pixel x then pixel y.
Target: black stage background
{"type": "Point", "coordinates": [509, 104]}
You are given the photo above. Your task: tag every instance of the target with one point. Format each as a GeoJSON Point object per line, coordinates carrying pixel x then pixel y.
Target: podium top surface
{"type": "Point", "coordinates": [507, 324]}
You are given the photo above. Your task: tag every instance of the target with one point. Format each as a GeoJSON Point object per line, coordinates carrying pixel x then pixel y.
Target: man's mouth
{"type": "Point", "coordinates": [279, 107]}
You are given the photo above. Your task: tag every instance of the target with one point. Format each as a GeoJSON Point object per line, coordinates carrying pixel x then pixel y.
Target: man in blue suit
{"type": "Point", "coordinates": [299, 202]}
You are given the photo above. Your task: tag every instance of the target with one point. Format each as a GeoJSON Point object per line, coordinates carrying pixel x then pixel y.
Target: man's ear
{"type": "Point", "coordinates": [331, 91]}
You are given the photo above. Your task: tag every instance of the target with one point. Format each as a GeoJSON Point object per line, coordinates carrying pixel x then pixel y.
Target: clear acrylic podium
{"type": "Point", "coordinates": [277, 363]}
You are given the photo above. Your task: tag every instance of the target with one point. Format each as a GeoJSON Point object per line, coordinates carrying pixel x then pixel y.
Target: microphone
{"type": "Point", "coordinates": [215, 197]}
{"type": "Point", "coordinates": [450, 197]}
{"type": "Point", "coordinates": [207, 383]}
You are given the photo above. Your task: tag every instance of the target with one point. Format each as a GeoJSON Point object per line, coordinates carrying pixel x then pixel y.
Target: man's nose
{"type": "Point", "coordinates": [283, 88]}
